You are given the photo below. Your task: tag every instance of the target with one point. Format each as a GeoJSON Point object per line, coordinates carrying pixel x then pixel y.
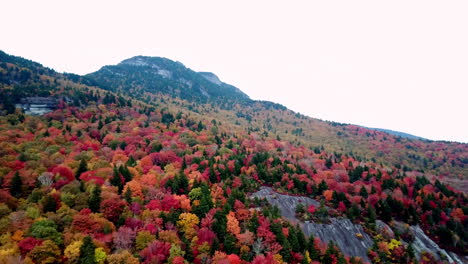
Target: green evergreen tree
{"type": "Point", "coordinates": [131, 162]}
{"type": "Point", "coordinates": [123, 170]}
{"type": "Point", "coordinates": [206, 202]}
{"type": "Point", "coordinates": [213, 176]}
{"type": "Point", "coordinates": [410, 251]}
{"type": "Point", "coordinates": [49, 204]}
{"type": "Point", "coordinates": [301, 239]}
{"type": "Point", "coordinates": [363, 192]}
{"type": "Point", "coordinates": [128, 195]}
{"type": "Point", "coordinates": [331, 250]}
{"type": "Point", "coordinates": [230, 244]}
{"type": "Point", "coordinates": [16, 185]}
{"type": "Point", "coordinates": [322, 187]}
{"type": "Point", "coordinates": [94, 201]}
{"type": "Point", "coordinates": [292, 238]}
{"type": "Point", "coordinates": [253, 223]}
{"type": "Point", "coordinates": [219, 225]}
{"type": "Point", "coordinates": [341, 259]}
{"type": "Point", "coordinates": [353, 212]}
{"type": "Point", "coordinates": [314, 252]}
{"type": "Point", "coordinates": [371, 214]}
{"type": "Point", "coordinates": [83, 167]}
{"type": "Point", "coordinates": [87, 252]}
{"type": "Point", "coordinates": [117, 180]}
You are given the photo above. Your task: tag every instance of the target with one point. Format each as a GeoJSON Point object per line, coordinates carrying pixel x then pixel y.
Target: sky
{"type": "Point", "coordinates": [399, 65]}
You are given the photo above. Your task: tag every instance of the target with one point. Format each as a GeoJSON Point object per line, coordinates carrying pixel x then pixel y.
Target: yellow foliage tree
{"type": "Point", "coordinates": [122, 257]}
{"type": "Point", "coordinates": [72, 251]}
{"type": "Point", "coordinates": [169, 236]}
{"type": "Point", "coordinates": [100, 255]}
{"type": "Point", "coordinates": [46, 253]}
{"type": "Point", "coordinates": [187, 223]}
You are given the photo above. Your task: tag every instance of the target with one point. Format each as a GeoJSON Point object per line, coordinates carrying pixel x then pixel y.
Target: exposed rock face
{"type": "Point", "coordinates": [345, 234]}
{"type": "Point", "coordinates": [286, 203]}
{"type": "Point", "coordinates": [423, 243]}
{"type": "Point", "coordinates": [211, 77]}
{"type": "Point", "coordinates": [341, 231]}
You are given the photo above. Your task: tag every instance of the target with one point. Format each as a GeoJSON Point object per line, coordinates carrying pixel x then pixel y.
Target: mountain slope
{"type": "Point", "coordinates": [160, 75]}
{"type": "Point", "coordinates": [171, 181]}
{"type": "Point", "coordinates": [161, 81]}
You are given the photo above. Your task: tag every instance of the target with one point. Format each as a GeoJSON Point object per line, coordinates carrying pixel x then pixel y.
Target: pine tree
{"type": "Point", "coordinates": [131, 162]}
{"type": "Point", "coordinates": [301, 239]}
{"type": "Point", "coordinates": [83, 167]}
{"type": "Point", "coordinates": [183, 183]}
{"type": "Point", "coordinates": [213, 176]}
{"type": "Point", "coordinates": [117, 180]}
{"type": "Point", "coordinates": [16, 185]}
{"type": "Point", "coordinates": [230, 244]}
{"type": "Point", "coordinates": [314, 253]}
{"type": "Point", "coordinates": [410, 251]}
{"type": "Point", "coordinates": [363, 192]}
{"type": "Point", "coordinates": [123, 170]}
{"type": "Point", "coordinates": [331, 251]}
{"type": "Point", "coordinates": [292, 238]}
{"type": "Point", "coordinates": [94, 201]}
{"type": "Point", "coordinates": [49, 204]}
{"type": "Point", "coordinates": [87, 250]}
{"type": "Point", "coordinates": [128, 195]}
{"type": "Point", "coordinates": [371, 214]}
{"type": "Point", "coordinates": [322, 187]}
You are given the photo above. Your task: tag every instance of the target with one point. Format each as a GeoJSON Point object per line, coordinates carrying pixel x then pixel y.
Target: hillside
{"type": "Point", "coordinates": [111, 178]}
{"type": "Point", "coordinates": [447, 161]}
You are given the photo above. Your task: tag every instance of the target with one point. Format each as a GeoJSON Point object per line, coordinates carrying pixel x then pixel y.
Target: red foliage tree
{"type": "Point", "coordinates": [112, 208]}
{"type": "Point", "coordinates": [156, 252]}
{"type": "Point", "coordinates": [28, 244]}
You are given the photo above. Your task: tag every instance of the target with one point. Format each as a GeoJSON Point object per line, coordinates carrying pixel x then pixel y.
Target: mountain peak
{"type": "Point", "coordinates": [154, 62]}
{"type": "Point", "coordinates": [161, 75]}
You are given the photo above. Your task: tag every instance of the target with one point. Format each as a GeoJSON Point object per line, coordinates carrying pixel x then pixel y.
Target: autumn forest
{"type": "Point", "coordinates": [160, 166]}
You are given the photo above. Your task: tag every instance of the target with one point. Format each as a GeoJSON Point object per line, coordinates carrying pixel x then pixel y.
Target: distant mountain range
{"type": "Point", "coordinates": [397, 133]}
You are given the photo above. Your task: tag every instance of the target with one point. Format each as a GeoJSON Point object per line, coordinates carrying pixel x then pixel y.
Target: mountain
{"type": "Point", "coordinates": [111, 176]}
{"type": "Point", "coordinates": [142, 74]}
{"type": "Point", "coordinates": [397, 133]}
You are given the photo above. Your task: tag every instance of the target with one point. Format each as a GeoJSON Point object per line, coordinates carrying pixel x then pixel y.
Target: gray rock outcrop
{"type": "Point", "coordinates": [349, 237]}
{"type": "Point", "coordinates": [341, 231]}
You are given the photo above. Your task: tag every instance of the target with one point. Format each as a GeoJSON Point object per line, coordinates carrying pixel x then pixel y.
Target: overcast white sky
{"type": "Point", "coordinates": [400, 65]}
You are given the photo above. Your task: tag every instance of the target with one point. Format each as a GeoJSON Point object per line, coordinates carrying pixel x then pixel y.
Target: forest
{"type": "Point", "coordinates": [107, 178]}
